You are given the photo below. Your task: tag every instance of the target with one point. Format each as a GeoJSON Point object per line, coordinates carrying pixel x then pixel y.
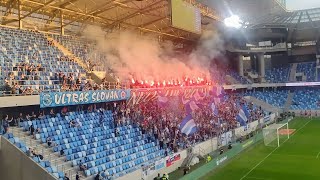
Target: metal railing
{"type": "Point", "coordinates": [37, 89]}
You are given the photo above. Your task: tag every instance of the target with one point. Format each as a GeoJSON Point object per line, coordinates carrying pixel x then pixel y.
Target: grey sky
{"type": "Point", "coordinates": [302, 4]}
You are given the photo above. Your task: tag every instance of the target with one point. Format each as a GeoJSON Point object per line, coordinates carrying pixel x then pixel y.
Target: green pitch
{"type": "Point", "coordinates": [298, 158]}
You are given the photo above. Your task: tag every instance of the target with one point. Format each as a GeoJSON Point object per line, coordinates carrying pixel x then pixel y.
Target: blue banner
{"type": "Point", "coordinates": [267, 118]}
{"type": "Point", "coordinates": [54, 99]}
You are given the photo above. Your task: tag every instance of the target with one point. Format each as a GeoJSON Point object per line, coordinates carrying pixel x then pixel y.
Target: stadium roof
{"type": "Point", "coordinates": [147, 16]}
{"type": "Point", "coordinates": [301, 19]}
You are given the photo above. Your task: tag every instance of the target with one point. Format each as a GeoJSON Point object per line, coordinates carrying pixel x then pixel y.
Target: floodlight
{"type": "Point", "coordinates": [233, 21]}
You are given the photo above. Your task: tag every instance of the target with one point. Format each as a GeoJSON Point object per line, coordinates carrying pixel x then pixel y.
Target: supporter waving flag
{"type": "Point", "coordinates": [188, 126]}
{"type": "Point", "coordinates": [243, 116]}
{"type": "Point", "coordinates": [218, 91]}
{"type": "Point", "coordinates": [162, 100]}
{"type": "Point", "coordinates": [217, 100]}
{"type": "Point", "coordinates": [191, 106]}
{"type": "Point", "coordinates": [214, 108]}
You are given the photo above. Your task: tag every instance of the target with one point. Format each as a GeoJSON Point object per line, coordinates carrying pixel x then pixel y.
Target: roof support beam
{"type": "Point", "coordinates": [9, 7]}
{"type": "Point", "coordinates": [316, 29]}
{"type": "Point", "coordinates": [151, 22]}
{"type": "Point", "coordinates": [31, 12]}
{"type": "Point", "coordinates": [94, 12]}
{"type": "Point", "coordinates": [55, 12]}
{"type": "Point", "coordinates": [141, 11]}
{"type": "Point", "coordinates": [295, 27]}
{"type": "Point", "coordinates": [63, 9]}
{"type": "Point", "coordinates": [61, 23]}
{"type": "Point", "coordinates": [100, 11]}
{"type": "Point", "coordinates": [19, 14]}
{"type": "Point", "coordinates": [38, 8]}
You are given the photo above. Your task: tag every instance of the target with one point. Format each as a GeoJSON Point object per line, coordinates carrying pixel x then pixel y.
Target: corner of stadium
{"type": "Point", "coordinates": [159, 90]}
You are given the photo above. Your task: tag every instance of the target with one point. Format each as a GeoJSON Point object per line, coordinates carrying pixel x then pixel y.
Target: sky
{"type": "Point", "coordinates": [302, 4]}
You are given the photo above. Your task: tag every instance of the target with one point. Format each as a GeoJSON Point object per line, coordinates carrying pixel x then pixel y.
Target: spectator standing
{"type": "Point", "coordinates": [77, 176]}
{"type": "Point", "coordinates": [66, 177]}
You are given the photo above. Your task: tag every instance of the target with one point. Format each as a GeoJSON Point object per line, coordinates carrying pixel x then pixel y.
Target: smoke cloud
{"type": "Point", "coordinates": [142, 57]}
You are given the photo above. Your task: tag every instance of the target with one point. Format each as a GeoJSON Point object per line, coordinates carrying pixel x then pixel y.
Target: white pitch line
{"type": "Point", "coordinates": [250, 177]}
{"type": "Point", "coordinates": [273, 151]}
{"type": "Point", "coordinates": [318, 155]}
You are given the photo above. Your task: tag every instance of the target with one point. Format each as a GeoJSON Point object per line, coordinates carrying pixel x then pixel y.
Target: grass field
{"type": "Point", "coordinates": [297, 158]}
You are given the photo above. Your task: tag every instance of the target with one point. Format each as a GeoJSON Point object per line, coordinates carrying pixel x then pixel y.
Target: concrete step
{"type": "Point", "coordinates": [48, 154]}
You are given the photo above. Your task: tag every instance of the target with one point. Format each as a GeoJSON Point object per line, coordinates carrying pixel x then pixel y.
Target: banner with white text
{"type": "Point", "coordinates": [54, 99]}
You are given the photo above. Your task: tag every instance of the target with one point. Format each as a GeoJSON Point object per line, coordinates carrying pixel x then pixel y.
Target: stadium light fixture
{"type": "Point", "coordinates": [233, 21]}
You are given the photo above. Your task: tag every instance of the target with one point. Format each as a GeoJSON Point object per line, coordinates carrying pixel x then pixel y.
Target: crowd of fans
{"type": "Point", "coordinates": [159, 123]}
{"type": "Point", "coordinates": [162, 123]}
{"type": "Point", "coordinates": [16, 85]}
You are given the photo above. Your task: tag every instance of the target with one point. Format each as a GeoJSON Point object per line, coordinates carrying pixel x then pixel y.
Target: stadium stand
{"type": "Point", "coordinates": [306, 99]}
{"type": "Point", "coordinates": [100, 147]}
{"type": "Point", "coordinates": [308, 69]}
{"type": "Point", "coordinates": [276, 98]}
{"type": "Point", "coordinates": [118, 143]}
{"type": "Point", "coordinates": [240, 79]}
{"type": "Point", "coordinates": [118, 136]}
{"type": "Point", "coordinates": [278, 75]}
{"type": "Point", "coordinates": [30, 64]}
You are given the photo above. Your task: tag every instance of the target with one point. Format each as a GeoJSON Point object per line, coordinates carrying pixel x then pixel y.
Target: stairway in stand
{"type": "Point", "coordinates": [68, 53]}
{"type": "Point", "coordinates": [293, 71]}
{"type": "Point", "coordinates": [48, 154]}
{"type": "Point", "coordinates": [289, 101]}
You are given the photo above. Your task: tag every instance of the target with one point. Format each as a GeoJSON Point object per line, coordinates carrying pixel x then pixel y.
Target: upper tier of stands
{"type": "Point", "coordinates": [30, 64]}
{"type": "Point", "coordinates": [308, 69]}
{"type": "Point", "coordinates": [84, 50]}
{"type": "Point", "coordinates": [277, 75]}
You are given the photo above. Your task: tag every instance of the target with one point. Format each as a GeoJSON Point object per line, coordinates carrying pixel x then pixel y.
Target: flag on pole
{"type": "Point", "coordinates": [217, 100]}
{"type": "Point", "coordinates": [188, 126]}
{"type": "Point", "coordinates": [162, 100]}
{"type": "Point", "coordinates": [214, 109]}
{"type": "Point", "coordinates": [192, 106]}
{"type": "Point", "coordinates": [243, 116]}
{"type": "Point", "coordinates": [218, 91]}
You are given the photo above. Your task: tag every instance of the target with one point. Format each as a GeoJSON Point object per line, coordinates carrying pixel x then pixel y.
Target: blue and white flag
{"type": "Point", "coordinates": [192, 106]}
{"type": "Point", "coordinates": [188, 126]}
{"type": "Point", "coordinates": [162, 100]}
{"type": "Point", "coordinates": [214, 109]}
{"type": "Point", "coordinates": [217, 100]}
{"type": "Point", "coordinates": [218, 91]}
{"type": "Point", "coordinates": [243, 116]}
